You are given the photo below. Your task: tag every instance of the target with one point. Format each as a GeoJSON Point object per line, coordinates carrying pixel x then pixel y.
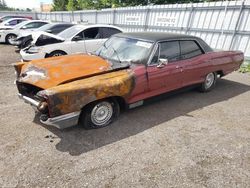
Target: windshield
{"type": "Point", "coordinates": [125, 50]}
{"type": "Point", "coordinates": [72, 31]}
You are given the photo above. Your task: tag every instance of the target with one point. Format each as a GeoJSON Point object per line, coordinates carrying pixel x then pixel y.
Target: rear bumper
{"type": "Point", "coordinates": [60, 122]}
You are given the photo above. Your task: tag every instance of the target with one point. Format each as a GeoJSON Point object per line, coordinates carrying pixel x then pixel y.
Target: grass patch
{"type": "Point", "coordinates": [245, 67]}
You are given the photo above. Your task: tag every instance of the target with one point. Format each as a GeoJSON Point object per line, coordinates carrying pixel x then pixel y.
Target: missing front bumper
{"type": "Point", "coordinates": [63, 121]}
{"type": "Point", "coordinates": [60, 122]}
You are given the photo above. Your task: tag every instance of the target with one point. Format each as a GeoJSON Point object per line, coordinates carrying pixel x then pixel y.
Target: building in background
{"type": "Point", "coordinates": [45, 7]}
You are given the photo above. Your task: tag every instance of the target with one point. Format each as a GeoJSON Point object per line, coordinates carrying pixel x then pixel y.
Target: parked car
{"type": "Point", "coordinates": [76, 39]}
{"type": "Point", "coordinates": [11, 22]}
{"type": "Point", "coordinates": [4, 18]}
{"type": "Point", "coordinates": [128, 69]}
{"type": "Point", "coordinates": [8, 36]}
{"type": "Point", "coordinates": [25, 38]}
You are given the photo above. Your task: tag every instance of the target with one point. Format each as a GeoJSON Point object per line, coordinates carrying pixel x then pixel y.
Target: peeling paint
{"type": "Point", "coordinates": [65, 68]}
{"type": "Point", "coordinates": [74, 96]}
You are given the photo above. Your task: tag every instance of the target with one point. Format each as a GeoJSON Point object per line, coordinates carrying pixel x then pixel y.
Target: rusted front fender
{"type": "Point", "coordinates": [73, 96]}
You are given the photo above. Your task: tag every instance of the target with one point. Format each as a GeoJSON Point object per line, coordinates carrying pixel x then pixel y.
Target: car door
{"type": "Point", "coordinates": [165, 77]}
{"type": "Point", "coordinates": [86, 41]}
{"type": "Point", "coordinates": [93, 39]}
{"type": "Point", "coordinates": [193, 64]}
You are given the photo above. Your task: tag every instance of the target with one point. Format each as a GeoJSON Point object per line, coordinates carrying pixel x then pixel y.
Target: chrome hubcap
{"type": "Point", "coordinates": [58, 54]}
{"type": "Point", "coordinates": [11, 38]}
{"type": "Point", "coordinates": [101, 113]}
{"type": "Point", "coordinates": [209, 80]}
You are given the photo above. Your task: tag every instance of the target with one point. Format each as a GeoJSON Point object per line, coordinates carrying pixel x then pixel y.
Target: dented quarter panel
{"type": "Point", "coordinates": [75, 95]}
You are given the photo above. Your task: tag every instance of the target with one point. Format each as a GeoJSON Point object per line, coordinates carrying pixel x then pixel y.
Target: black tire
{"type": "Point", "coordinates": [56, 53]}
{"type": "Point", "coordinates": [209, 82]}
{"type": "Point", "coordinates": [10, 37]}
{"type": "Point", "coordinates": [89, 121]}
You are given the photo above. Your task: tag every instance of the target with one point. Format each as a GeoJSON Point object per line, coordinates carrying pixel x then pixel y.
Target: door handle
{"type": "Point", "coordinates": [177, 67]}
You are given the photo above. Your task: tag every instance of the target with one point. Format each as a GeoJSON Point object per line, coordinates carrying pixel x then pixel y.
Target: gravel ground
{"type": "Point", "coordinates": [187, 140]}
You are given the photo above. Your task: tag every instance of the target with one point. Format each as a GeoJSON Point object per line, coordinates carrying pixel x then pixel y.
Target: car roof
{"type": "Point", "coordinates": [85, 26]}
{"type": "Point", "coordinates": [155, 36]}
{"type": "Point", "coordinates": [9, 20]}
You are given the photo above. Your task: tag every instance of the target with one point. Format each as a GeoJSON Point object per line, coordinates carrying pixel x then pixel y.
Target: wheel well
{"type": "Point", "coordinates": [48, 54]}
{"type": "Point", "coordinates": [121, 101]}
{"type": "Point", "coordinates": [220, 73]}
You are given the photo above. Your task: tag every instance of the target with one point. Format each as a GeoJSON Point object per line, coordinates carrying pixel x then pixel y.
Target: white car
{"type": "Point", "coordinates": [12, 22]}
{"type": "Point", "coordinates": [76, 39]}
{"type": "Point", "coordinates": [8, 35]}
{"type": "Point", "coordinates": [25, 37]}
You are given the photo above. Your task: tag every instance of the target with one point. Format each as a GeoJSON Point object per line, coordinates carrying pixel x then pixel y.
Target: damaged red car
{"type": "Point", "coordinates": [128, 69]}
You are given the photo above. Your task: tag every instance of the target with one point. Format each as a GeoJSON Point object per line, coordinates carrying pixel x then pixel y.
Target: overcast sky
{"type": "Point", "coordinates": [26, 3]}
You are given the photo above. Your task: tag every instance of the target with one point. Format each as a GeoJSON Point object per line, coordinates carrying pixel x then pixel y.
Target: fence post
{"type": "Point", "coordinates": [236, 26]}
{"type": "Point", "coordinates": [80, 17]}
{"type": "Point", "coordinates": [36, 17]}
{"type": "Point", "coordinates": [72, 16]}
{"type": "Point", "coordinates": [96, 12]}
{"type": "Point", "coordinates": [146, 19]}
{"type": "Point", "coordinates": [114, 12]}
{"type": "Point", "coordinates": [190, 18]}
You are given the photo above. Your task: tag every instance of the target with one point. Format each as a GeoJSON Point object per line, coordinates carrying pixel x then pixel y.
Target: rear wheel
{"type": "Point", "coordinates": [9, 38]}
{"type": "Point", "coordinates": [56, 53]}
{"type": "Point", "coordinates": [209, 82]}
{"type": "Point", "coordinates": [99, 114]}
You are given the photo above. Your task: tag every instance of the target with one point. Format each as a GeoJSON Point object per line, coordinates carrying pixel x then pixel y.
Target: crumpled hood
{"type": "Point", "coordinates": [37, 34]}
{"type": "Point", "coordinates": [50, 72]}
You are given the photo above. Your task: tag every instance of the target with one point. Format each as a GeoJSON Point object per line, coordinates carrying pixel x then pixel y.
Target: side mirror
{"type": "Point", "coordinates": [77, 38]}
{"type": "Point", "coordinates": [24, 27]}
{"type": "Point", "coordinates": [162, 62]}
{"type": "Point", "coordinates": [49, 31]}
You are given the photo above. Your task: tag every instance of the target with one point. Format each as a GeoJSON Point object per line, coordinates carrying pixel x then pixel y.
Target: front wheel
{"type": "Point", "coordinates": [209, 82]}
{"type": "Point", "coordinates": [56, 53]}
{"type": "Point", "coordinates": [10, 38]}
{"type": "Point", "coordinates": [99, 114]}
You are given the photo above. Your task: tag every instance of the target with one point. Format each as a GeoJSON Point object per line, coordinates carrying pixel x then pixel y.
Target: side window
{"type": "Point", "coordinates": [80, 36]}
{"type": "Point", "coordinates": [189, 49]}
{"type": "Point", "coordinates": [170, 50]}
{"type": "Point", "coordinates": [40, 24]}
{"type": "Point", "coordinates": [19, 21]}
{"type": "Point", "coordinates": [91, 33]}
{"type": "Point", "coordinates": [108, 32]}
{"type": "Point", "coordinates": [13, 22]}
{"type": "Point", "coordinates": [33, 25]}
{"type": "Point", "coordinates": [155, 57]}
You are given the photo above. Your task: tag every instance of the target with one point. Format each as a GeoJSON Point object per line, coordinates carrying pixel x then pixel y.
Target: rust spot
{"type": "Point", "coordinates": [61, 69]}
{"type": "Point", "coordinates": [73, 96]}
